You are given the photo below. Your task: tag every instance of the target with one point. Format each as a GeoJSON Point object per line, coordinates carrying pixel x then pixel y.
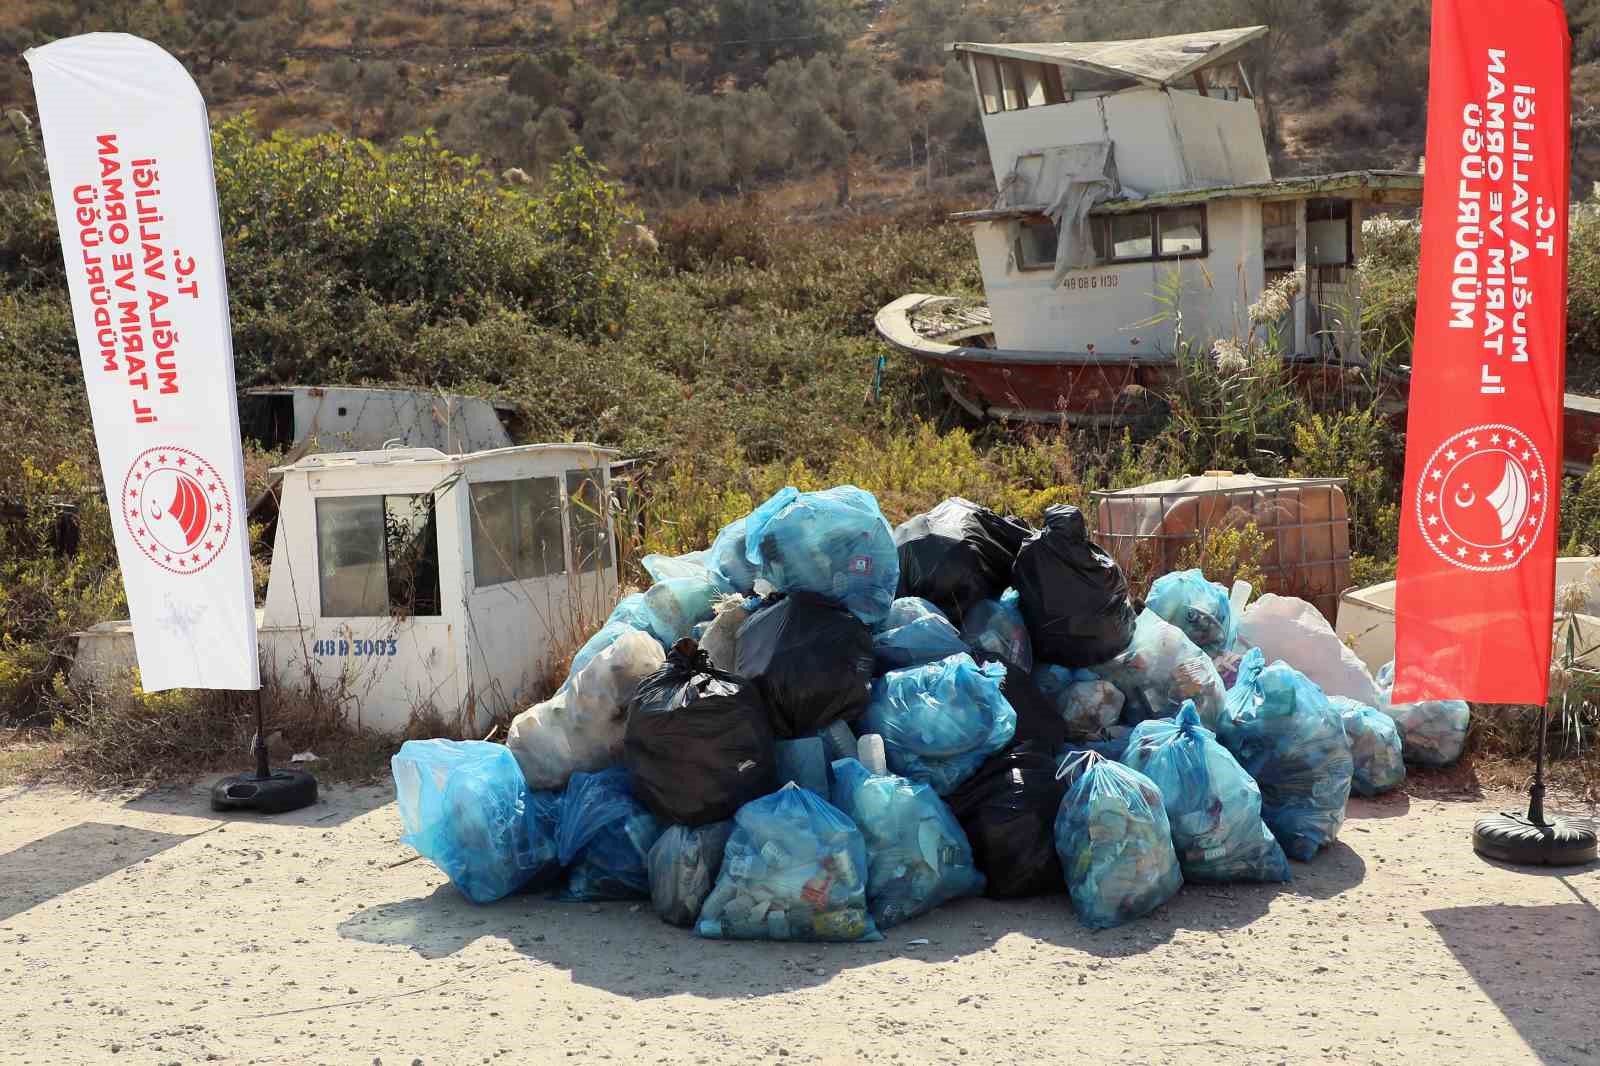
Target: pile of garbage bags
{"type": "Point", "coordinates": [820, 727]}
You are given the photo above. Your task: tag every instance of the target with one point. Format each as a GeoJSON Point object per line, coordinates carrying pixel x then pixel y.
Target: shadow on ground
{"type": "Point", "coordinates": [194, 800]}
{"type": "Point", "coordinates": [623, 948]}
{"type": "Point", "coordinates": [70, 858]}
{"type": "Point", "coordinates": [1540, 967]}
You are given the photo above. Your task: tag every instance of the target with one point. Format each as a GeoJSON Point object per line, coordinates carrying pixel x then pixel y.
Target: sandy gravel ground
{"type": "Point", "coordinates": [147, 930]}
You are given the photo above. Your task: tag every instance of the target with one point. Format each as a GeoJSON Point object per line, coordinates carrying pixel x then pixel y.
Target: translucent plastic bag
{"type": "Point", "coordinates": [913, 633]}
{"type": "Point", "coordinates": [465, 807]}
{"type": "Point", "coordinates": [995, 629]}
{"type": "Point", "coordinates": [683, 866]}
{"type": "Point", "coordinates": [1072, 593]}
{"type": "Point", "coordinates": [918, 857]}
{"type": "Point", "coordinates": [1375, 747]}
{"type": "Point", "coordinates": [1293, 630]}
{"type": "Point", "coordinates": [940, 721]}
{"type": "Point", "coordinates": [669, 610]}
{"type": "Point", "coordinates": [1114, 842]}
{"type": "Point", "coordinates": [1280, 727]}
{"type": "Point", "coordinates": [720, 637]}
{"type": "Point", "coordinates": [1008, 811]}
{"type": "Point", "coordinates": [1214, 807]}
{"type": "Point", "coordinates": [605, 837]}
{"type": "Point", "coordinates": [668, 567]}
{"type": "Point", "coordinates": [1433, 732]}
{"type": "Point", "coordinates": [958, 554]}
{"type": "Point", "coordinates": [583, 725]}
{"type": "Point", "coordinates": [834, 543]}
{"type": "Point", "coordinates": [699, 741]}
{"type": "Point", "coordinates": [1198, 607]}
{"type": "Point", "coordinates": [1088, 705]}
{"type": "Point", "coordinates": [1160, 670]}
{"type": "Point", "coordinates": [726, 562]}
{"type": "Point", "coordinates": [795, 869]}
{"type": "Point", "coordinates": [811, 659]}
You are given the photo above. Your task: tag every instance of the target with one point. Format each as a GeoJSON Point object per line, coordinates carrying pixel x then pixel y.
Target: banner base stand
{"type": "Point", "coordinates": [267, 791]}
{"type": "Point", "coordinates": [1512, 838]}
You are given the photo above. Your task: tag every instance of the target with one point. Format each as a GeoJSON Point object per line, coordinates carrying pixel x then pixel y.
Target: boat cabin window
{"type": "Point", "coordinates": [1168, 233]}
{"type": "Point", "coordinates": [1015, 84]}
{"type": "Point", "coordinates": [1036, 244]}
{"type": "Point", "coordinates": [516, 530]}
{"type": "Point", "coordinates": [1328, 235]}
{"type": "Point", "coordinates": [378, 556]}
{"type": "Point", "coordinates": [590, 519]}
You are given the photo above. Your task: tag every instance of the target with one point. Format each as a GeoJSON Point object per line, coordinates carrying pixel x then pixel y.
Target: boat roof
{"type": "Point", "coordinates": [321, 390]}
{"type": "Point", "coordinates": [1379, 186]}
{"type": "Point", "coordinates": [1157, 61]}
{"type": "Point", "coordinates": [433, 456]}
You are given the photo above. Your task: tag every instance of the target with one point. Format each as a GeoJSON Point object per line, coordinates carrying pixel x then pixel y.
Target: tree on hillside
{"type": "Point", "coordinates": [772, 29]}
{"type": "Point", "coordinates": [677, 19]}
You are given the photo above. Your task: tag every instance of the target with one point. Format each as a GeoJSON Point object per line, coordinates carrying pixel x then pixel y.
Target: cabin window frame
{"type": "Point", "coordinates": [532, 502]}
{"type": "Point", "coordinates": [1106, 249]}
{"type": "Point", "coordinates": [1008, 75]}
{"type": "Point", "coordinates": [1024, 263]}
{"type": "Point", "coordinates": [416, 600]}
{"type": "Point", "coordinates": [995, 91]}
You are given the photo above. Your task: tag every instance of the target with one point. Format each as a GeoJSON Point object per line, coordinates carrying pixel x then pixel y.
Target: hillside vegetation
{"type": "Point", "coordinates": [684, 99]}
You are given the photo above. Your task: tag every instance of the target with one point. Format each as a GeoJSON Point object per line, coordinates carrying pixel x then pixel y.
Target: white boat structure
{"type": "Point", "coordinates": [1132, 183]}
{"type": "Point", "coordinates": [408, 582]}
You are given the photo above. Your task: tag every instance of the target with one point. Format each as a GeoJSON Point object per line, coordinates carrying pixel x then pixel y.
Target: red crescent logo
{"type": "Point", "coordinates": [176, 507]}
{"type": "Point", "coordinates": [1483, 498]}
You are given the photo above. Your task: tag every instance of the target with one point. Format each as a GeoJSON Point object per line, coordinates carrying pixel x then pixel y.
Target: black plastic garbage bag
{"type": "Point", "coordinates": [1008, 811]}
{"type": "Point", "coordinates": [1073, 594]}
{"type": "Point", "coordinates": [811, 659]}
{"type": "Point", "coordinates": [1037, 718]}
{"type": "Point", "coordinates": [958, 554]}
{"type": "Point", "coordinates": [699, 743]}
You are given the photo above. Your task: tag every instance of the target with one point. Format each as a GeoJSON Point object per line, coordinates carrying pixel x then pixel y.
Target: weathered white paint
{"type": "Point", "coordinates": [1115, 307]}
{"type": "Point", "coordinates": [1165, 140]}
{"type": "Point", "coordinates": [361, 419]}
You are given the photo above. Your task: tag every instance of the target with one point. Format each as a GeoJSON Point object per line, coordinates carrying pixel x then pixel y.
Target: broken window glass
{"type": "Point", "coordinates": [590, 519]}
{"type": "Point", "coordinates": [377, 556]}
{"type": "Point", "coordinates": [988, 83]}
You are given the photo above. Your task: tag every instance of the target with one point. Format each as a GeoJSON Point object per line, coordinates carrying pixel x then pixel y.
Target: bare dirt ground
{"type": "Point", "coordinates": [148, 930]}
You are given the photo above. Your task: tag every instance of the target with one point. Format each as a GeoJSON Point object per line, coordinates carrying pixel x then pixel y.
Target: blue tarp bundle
{"type": "Point", "coordinates": [917, 855]}
{"type": "Point", "coordinates": [940, 721]}
{"type": "Point", "coordinates": [1283, 731]}
{"type": "Point", "coordinates": [795, 869]}
{"type": "Point", "coordinates": [465, 807]}
{"type": "Point", "coordinates": [1114, 842]}
{"type": "Point", "coordinates": [605, 838]}
{"type": "Point", "coordinates": [1213, 805]}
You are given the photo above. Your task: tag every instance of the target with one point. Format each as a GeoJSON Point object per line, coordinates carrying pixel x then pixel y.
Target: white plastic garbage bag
{"type": "Point", "coordinates": [582, 726]}
{"type": "Point", "coordinates": [721, 638]}
{"type": "Point", "coordinates": [1291, 629]}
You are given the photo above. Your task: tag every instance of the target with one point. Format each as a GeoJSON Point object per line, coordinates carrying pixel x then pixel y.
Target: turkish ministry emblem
{"type": "Point", "coordinates": [1483, 498]}
{"type": "Point", "coordinates": [176, 508]}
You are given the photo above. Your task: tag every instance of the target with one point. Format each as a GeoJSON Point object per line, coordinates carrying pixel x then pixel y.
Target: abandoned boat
{"type": "Point", "coordinates": [1133, 186]}
{"type": "Point", "coordinates": [407, 582]}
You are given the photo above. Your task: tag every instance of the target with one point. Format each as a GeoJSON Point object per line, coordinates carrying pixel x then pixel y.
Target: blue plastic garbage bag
{"type": "Point", "coordinates": [726, 562]}
{"type": "Point", "coordinates": [1114, 842]}
{"type": "Point", "coordinates": [795, 869]}
{"type": "Point", "coordinates": [605, 838]}
{"type": "Point", "coordinates": [914, 632]}
{"type": "Point", "coordinates": [1088, 705]}
{"type": "Point", "coordinates": [1160, 670]}
{"type": "Point", "coordinates": [1286, 735]}
{"type": "Point", "coordinates": [1433, 732]}
{"type": "Point", "coordinates": [1375, 747]}
{"type": "Point", "coordinates": [465, 807]}
{"type": "Point", "coordinates": [833, 543]}
{"type": "Point", "coordinates": [918, 857]}
{"type": "Point", "coordinates": [668, 567]}
{"type": "Point", "coordinates": [1198, 607]}
{"type": "Point", "coordinates": [995, 629]}
{"type": "Point", "coordinates": [669, 610]}
{"type": "Point", "coordinates": [1213, 805]}
{"type": "Point", "coordinates": [683, 866]}
{"type": "Point", "coordinates": [940, 721]}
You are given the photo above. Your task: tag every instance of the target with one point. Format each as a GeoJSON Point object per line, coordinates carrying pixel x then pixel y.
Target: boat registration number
{"type": "Point", "coordinates": [1092, 281]}
{"type": "Point", "coordinates": [382, 646]}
